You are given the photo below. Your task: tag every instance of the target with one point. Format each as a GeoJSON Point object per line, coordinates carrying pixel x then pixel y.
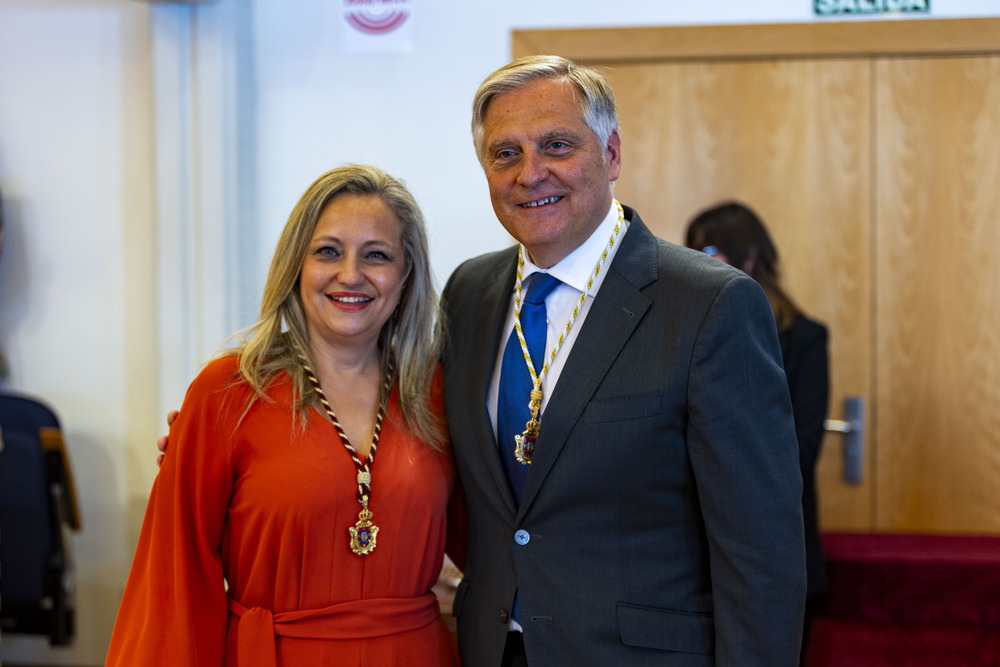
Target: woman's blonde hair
{"type": "Point", "coordinates": [409, 342]}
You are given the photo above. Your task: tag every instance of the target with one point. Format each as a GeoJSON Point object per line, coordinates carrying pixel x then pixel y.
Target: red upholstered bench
{"type": "Point", "coordinates": [914, 600]}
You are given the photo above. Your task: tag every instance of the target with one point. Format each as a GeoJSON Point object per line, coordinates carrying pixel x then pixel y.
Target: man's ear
{"type": "Point", "coordinates": [614, 150]}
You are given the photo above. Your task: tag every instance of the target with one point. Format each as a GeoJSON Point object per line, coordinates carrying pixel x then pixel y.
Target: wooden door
{"type": "Point", "coordinates": [937, 465]}
{"type": "Point", "coordinates": [822, 129]}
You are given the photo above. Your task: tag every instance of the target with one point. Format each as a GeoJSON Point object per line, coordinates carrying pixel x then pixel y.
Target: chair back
{"type": "Point", "coordinates": [37, 504]}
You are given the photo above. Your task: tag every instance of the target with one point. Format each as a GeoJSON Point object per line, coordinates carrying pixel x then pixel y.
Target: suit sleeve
{"type": "Point", "coordinates": [174, 608]}
{"type": "Point", "coordinates": [743, 450]}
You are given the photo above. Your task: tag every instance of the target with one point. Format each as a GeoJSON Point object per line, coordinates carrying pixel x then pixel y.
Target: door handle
{"type": "Point", "coordinates": [852, 426]}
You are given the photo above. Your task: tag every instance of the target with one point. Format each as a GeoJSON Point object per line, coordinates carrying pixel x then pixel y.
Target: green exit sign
{"type": "Point", "coordinates": [842, 7]}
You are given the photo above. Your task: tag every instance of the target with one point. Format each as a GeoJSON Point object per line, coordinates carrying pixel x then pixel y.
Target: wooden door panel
{"type": "Point", "coordinates": [791, 139]}
{"type": "Point", "coordinates": [938, 294]}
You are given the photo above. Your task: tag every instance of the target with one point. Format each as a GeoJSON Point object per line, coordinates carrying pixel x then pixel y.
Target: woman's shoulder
{"type": "Point", "coordinates": [220, 382]}
{"type": "Point", "coordinates": [808, 327]}
{"type": "Point", "coordinates": [220, 371]}
{"type": "Point", "coordinates": [804, 334]}
{"type": "Point", "coordinates": [221, 390]}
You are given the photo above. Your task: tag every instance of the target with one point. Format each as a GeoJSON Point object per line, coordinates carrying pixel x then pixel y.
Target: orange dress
{"type": "Point", "coordinates": [244, 555]}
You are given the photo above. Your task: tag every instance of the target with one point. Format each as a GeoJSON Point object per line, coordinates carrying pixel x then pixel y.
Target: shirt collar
{"type": "Point", "coordinates": [576, 268]}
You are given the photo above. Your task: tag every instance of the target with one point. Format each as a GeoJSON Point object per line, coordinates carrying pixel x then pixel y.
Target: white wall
{"type": "Point", "coordinates": [73, 152]}
{"type": "Point", "coordinates": [149, 155]}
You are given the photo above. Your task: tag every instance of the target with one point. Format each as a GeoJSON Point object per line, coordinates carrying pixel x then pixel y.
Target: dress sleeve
{"type": "Point", "coordinates": [174, 608]}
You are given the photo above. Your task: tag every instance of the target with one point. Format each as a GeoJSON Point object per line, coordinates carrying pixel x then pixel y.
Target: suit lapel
{"type": "Point", "coordinates": [614, 315]}
{"type": "Point", "coordinates": [494, 304]}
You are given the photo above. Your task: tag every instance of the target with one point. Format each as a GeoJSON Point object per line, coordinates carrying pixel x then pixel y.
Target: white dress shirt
{"type": "Point", "coordinates": [575, 270]}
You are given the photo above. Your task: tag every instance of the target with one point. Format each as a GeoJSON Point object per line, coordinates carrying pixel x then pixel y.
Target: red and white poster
{"type": "Point", "coordinates": [377, 26]}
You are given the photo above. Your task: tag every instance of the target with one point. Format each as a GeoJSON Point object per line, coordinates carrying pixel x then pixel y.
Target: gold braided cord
{"type": "Point", "coordinates": [536, 378]}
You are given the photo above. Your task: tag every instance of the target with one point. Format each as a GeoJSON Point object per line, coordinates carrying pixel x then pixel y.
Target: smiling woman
{"type": "Point", "coordinates": [271, 537]}
{"type": "Point", "coordinates": [352, 277]}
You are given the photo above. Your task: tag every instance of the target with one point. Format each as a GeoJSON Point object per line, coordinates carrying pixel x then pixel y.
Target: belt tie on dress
{"type": "Point", "coordinates": [257, 627]}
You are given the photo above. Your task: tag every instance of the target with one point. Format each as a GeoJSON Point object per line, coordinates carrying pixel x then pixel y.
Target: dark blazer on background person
{"type": "Point", "coordinates": [807, 369]}
{"type": "Point", "coordinates": [661, 519]}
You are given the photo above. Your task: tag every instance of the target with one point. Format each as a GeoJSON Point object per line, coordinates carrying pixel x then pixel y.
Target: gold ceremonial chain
{"type": "Point", "coordinates": [524, 444]}
{"type": "Point", "coordinates": [364, 532]}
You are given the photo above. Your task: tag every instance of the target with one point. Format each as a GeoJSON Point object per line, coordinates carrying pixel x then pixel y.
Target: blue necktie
{"type": "Point", "coordinates": [515, 384]}
{"type": "Point", "coordinates": [515, 380]}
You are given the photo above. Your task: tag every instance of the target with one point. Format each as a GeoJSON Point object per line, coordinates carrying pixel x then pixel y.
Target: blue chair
{"type": "Point", "coordinates": [37, 510]}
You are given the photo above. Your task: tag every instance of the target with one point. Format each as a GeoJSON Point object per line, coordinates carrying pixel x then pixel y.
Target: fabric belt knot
{"type": "Point", "coordinates": [255, 641]}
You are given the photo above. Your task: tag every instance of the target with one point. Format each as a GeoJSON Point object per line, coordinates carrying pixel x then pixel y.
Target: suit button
{"type": "Point", "coordinates": [503, 616]}
{"type": "Point", "coordinates": [522, 537]}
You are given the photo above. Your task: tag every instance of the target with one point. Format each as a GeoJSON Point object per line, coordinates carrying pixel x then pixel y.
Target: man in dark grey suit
{"type": "Point", "coordinates": [648, 512]}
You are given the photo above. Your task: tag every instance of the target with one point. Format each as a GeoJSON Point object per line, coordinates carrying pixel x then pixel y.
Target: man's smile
{"type": "Point", "coordinates": [540, 202]}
